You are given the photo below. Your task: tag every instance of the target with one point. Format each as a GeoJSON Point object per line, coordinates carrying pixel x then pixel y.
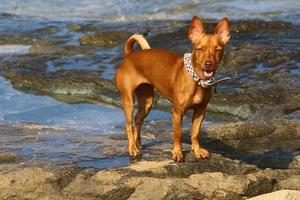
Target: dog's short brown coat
{"type": "Point", "coordinates": [143, 70]}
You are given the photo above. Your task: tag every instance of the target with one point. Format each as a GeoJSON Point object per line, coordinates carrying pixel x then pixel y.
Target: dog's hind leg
{"type": "Point", "coordinates": [126, 89]}
{"type": "Point", "coordinates": [128, 106]}
{"type": "Point", "coordinates": [145, 96]}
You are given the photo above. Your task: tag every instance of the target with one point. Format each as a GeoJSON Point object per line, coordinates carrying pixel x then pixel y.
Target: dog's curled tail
{"type": "Point", "coordinates": [135, 38]}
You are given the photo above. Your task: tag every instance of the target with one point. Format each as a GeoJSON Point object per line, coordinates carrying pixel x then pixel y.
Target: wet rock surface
{"type": "Point", "coordinates": [253, 137]}
{"type": "Point", "coordinates": [105, 39]}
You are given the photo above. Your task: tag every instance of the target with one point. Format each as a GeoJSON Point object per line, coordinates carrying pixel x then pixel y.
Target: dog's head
{"type": "Point", "coordinates": [208, 48]}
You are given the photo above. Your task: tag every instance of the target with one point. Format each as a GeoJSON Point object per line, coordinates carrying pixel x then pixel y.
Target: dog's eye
{"type": "Point", "coordinates": [218, 50]}
{"type": "Point", "coordinates": [199, 49]}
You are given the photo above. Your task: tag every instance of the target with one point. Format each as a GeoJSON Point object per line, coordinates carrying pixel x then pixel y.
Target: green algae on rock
{"type": "Point", "coordinates": [71, 90]}
{"type": "Point", "coordinates": [17, 38]}
{"type": "Point", "coordinates": [106, 39]}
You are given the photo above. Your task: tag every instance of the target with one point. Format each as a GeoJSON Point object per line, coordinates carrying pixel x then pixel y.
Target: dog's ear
{"type": "Point", "coordinates": [223, 30]}
{"type": "Point", "coordinates": [196, 30]}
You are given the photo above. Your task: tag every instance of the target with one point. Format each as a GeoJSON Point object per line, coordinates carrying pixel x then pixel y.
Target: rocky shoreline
{"type": "Point", "coordinates": [240, 166]}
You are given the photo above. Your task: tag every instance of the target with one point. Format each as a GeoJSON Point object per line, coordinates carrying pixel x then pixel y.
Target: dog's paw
{"type": "Point", "coordinates": [133, 150]}
{"type": "Point", "coordinates": [177, 155]}
{"type": "Point", "coordinates": [201, 153]}
{"type": "Point", "coordinates": [138, 144]}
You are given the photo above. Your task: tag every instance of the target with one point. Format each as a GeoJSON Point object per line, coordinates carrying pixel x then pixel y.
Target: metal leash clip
{"type": "Point", "coordinates": [212, 82]}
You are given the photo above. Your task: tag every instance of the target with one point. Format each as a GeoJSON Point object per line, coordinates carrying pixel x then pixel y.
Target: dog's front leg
{"type": "Point", "coordinates": [177, 147]}
{"type": "Point", "coordinates": [198, 116]}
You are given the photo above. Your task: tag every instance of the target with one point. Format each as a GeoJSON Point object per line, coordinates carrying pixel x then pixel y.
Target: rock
{"type": "Point", "coordinates": [103, 185]}
{"type": "Point", "coordinates": [71, 183]}
{"type": "Point", "coordinates": [108, 177]}
{"type": "Point", "coordinates": [291, 183]}
{"type": "Point", "coordinates": [73, 27]}
{"type": "Point", "coordinates": [158, 189]}
{"type": "Point", "coordinates": [84, 27]}
{"type": "Point", "coordinates": [240, 130]}
{"type": "Point", "coordinates": [242, 111]}
{"type": "Point", "coordinates": [84, 186]}
{"type": "Point", "coordinates": [245, 104]}
{"type": "Point", "coordinates": [49, 30]}
{"type": "Point", "coordinates": [266, 143]}
{"type": "Point", "coordinates": [74, 89]}
{"type": "Point", "coordinates": [254, 25]}
{"type": "Point", "coordinates": [216, 163]}
{"type": "Point", "coordinates": [8, 157]}
{"type": "Point", "coordinates": [156, 167]}
{"type": "Point", "coordinates": [28, 183]}
{"type": "Point", "coordinates": [149, 188]}
{"type": "Point", "coordinates": [278, 159]}
{"type": "Point", "coordinates": [295, 164]}
{"type": "Point", "coordinates": [41, 46]}
{"type": "Point", "coordinates": [17, 38]}
{"type": "Point", "coordinates": [279, 195]}
{"type": "Point", "coordinates": [247, 185]}
{"type": "Point", "coordinates": [32, 177]}
{"type": "Point", "coordinates": [54, 49]}
{"type": "Point", "coordinates": [105, 39]}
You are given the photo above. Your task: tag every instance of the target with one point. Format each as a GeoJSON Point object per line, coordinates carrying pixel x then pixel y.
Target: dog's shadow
{"type": "Point", "coordinates": [275, 158]}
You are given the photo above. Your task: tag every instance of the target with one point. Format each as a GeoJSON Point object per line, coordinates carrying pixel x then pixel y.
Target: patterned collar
{"type": "Point", "coordinates": [187, 59]}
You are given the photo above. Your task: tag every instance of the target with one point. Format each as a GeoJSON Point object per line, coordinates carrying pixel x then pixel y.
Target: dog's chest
{"type": "Point", "coordinates": [201, 96]}
{"type": "Point", "coordinates": [198, 97]}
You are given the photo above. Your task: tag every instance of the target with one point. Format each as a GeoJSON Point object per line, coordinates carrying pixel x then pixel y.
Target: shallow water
{"type": "Point", "coordinates": [14, 49]}
{"type": "Point", "coordinates": [20, 107]}
{"type": "Point", "coordinates": [79, 129]}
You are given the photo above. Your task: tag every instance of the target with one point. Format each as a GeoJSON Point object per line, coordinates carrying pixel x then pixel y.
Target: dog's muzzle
{"type": "Point", "coordinates": [187, 59]}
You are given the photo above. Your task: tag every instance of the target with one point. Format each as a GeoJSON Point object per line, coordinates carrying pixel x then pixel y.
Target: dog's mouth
{"type": "Point", "coordinates": [208, 74]}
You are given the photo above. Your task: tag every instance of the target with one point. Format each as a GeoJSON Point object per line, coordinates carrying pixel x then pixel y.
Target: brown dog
{"type": "Point", "coordinates": [143, 70]}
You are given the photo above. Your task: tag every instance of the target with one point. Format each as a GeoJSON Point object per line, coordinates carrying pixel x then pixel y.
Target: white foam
{"type": "Point", "coordinates": [14, 49]}
{"type": "Point", "coordinates": [133, 10]}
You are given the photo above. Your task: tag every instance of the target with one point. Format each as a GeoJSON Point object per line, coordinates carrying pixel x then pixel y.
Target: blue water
{"type": "Point", "coordinates": [135, 10]}
{"type": "Point", "coordinates": [17, 106]}
{"type": "Point", "coordinates": [14, 49]}
{"type": "Point", "coordinates": [76, 129]}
